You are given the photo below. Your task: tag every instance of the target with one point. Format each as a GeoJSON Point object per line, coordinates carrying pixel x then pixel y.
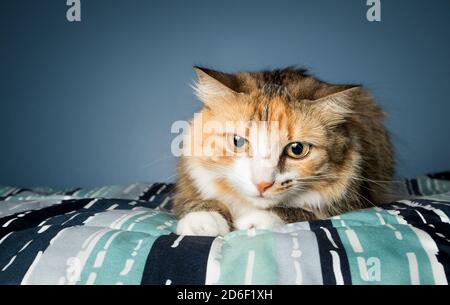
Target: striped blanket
{"type": "Point", "coordinates": [125, 235]}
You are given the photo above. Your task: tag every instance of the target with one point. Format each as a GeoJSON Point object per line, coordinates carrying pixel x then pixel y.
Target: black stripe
{"type": "Point", "coordinates": [150, 192]}
{"type": "Point", "coordinates": [409, 214]}
{"type": "Point", "coordinates": [325, 246]}
{"type": "Point", "coordinates": [408, 187]}
{"type": "Point", "coordinates": [182, 265]}
{"type": "Point", "coordinates": [440, 176]}
{"type": "Point", "coordinates": [415, 187]}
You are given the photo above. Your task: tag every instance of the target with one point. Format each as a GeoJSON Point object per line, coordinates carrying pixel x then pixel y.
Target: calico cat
{"type": "Point", "coordinates": [328, 153]}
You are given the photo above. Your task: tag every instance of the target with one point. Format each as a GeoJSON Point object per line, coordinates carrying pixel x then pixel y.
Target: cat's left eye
{"type": "Point", "coordinates": [237, 143]}
{"type": "Point", "coordinates": [297, 150]}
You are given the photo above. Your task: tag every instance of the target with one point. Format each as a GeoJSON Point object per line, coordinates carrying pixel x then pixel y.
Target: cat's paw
{"type": "Point", "coordinates": [258, 219]}
{"type": "Point", "coordinates": [203, 224]}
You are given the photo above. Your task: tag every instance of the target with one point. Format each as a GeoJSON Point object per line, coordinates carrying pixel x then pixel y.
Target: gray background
{"type": "Point", "coordinates": [91, 103]}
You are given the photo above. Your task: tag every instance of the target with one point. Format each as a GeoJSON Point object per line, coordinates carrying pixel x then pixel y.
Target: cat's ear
{"type": "Point", "coordinates": [338, 106]}
{"type": "Point", "coordinates": [214, 85]}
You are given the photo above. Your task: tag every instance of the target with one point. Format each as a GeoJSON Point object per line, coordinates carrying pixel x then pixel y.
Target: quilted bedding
{"type": "Point", "coordinates": [124, 235]}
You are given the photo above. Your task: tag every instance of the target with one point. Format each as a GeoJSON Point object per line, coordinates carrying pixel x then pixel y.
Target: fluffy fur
{"type": "Point", "coordinates": [349, 165]}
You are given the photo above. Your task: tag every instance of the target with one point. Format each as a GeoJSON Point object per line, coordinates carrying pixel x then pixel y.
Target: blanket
{"type": "Point", "coordinates": [125, 235]}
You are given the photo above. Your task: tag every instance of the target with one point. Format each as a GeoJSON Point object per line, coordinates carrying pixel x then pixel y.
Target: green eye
{"type": "Point", "coordinates": [297, 150]}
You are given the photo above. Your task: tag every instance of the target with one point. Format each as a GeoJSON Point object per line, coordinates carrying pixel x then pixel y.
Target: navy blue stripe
{"type": "Point", "coordinates": [184, 264]}
{"type": "Point", "coordinates": [415, 187]}
{"type": "Point", "coordinates": [325, 246]}
{"type": "Point", "coordinates": [408, 187]}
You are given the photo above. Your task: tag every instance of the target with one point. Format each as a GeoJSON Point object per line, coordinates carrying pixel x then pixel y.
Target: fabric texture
{"type": "Point", "coordinates": [125, 235]}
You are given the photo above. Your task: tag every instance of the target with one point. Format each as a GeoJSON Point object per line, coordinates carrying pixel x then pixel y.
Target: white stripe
{"type": "Point", "coordinates": [145, 217]}
{"type": "Point", "coordinates": [413, 268]}
{"type": "Point", "coordinates": [298, 273]}
{"type": "Point", "coordinates": [381, 218]}
{"type": "Point", "coordinates": [398, 235]}
{"type": "Point", "coordinates": [87, 250]}
{"type": "Point", "coordinates": [43, 228]}
{"type": "Point", "coordinates": [354, 241]}
{"type": "Point", "coordinates": [437, 186]}
{"type": "Point", "coordinates": [429, 185]}
{"type": "Point", "coordinates": [440, 234]}
{"type": "Point", "coordinates": [249, 269]}
{"type": "Point", "coordinates": [8, 222]}
{"type": "Point", "coordinates": [127, 268]}
{"type": "Point", "coordinates": [88, 240]}
{"type": "Point", "coordinates": [26, 245]}
{"type": "Point", "coordinates": [337, 268]}
{"type": "Point", "coordinates": [294, 242]}
{"type": "Point", "coordinates": [177, 241]}
{"type": "Point", "coordinates": [73, 216]}
{"type": "Point", "coordinates": [166, 200]}
{"type": "Point", "coordinates": [161, 189]}
{"type": "Point", "coordinates": [421, 216]}
{"type": "Point", "coordinates": [112, 207]}
{"type": "Point", "coordinates": [441, 214]}
{"type": "Point", "coordinates": [363, 268]}
{"type": "Point", "coordinates": [390, 226]}
{"type": "Point", "coordinates": [213, 264]}
{"type": "Point", "coordinates": [109, 241]}
{"type": "Point", "coordinates": [91, 278]}
{"type": "Point", "coordinates": [42, 223]}
{"type": "Point", "coordinates": [5, 237]}
{"type": "Point", "coordinates": [431, 250]}
{"type": "Point", "coordinates": [139, 244]}
{"type": "Point", "coordinates": [10, 262]}
{"type": "Point", "coordinates": [31, 269]}
{"type": "Point", "coordinates": [124, 218]}
{"type": "Point", "coordinates": [128, 189]}
{"type": "Point", "coordinates": [91, 203]}
{"type": "Point", "coordinates": [328, 234]}
{"type": "Point", "coordinates": [99, 259]}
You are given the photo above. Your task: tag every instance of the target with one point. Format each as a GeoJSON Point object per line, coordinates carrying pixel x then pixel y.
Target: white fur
{"type": "Point", "coordinates": [203, 223]}
{"type": "Point", "coordinates": [306, 200]}
{"type": "Point", "coordinates": [203, 179]}
{"type": "Point", "coordinates": [258, 219]}
{"type": "Point", "coordinates": [240, 174]}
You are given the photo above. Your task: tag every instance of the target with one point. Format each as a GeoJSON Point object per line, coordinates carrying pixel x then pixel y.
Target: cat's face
{"type": "Point", "coordinates": [271, 150]}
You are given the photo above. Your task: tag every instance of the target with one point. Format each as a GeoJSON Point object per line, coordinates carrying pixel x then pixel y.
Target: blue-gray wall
{"type": "Point", "coordinates": [91, 103]}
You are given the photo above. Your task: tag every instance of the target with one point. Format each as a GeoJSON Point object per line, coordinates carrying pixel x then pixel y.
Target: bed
{"type": "Point", "coordinates": [125, 235]}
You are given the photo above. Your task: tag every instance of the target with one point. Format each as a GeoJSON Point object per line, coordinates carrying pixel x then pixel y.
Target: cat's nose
{"type": "Point", "coordinates": [263, 185]}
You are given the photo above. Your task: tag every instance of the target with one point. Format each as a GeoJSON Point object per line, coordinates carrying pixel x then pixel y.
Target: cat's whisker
{"type": "Point", "coordinates": [164, 157]}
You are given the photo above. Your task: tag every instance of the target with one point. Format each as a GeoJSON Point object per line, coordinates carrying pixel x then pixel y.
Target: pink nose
{"type": "Point", "coordinates": [263, 185]}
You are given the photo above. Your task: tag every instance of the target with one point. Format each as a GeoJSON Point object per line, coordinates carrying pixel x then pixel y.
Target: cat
{"type": "Point", "coordinates": [329, 153]}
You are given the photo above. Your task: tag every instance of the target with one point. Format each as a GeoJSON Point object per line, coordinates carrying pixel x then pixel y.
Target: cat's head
{"type": "Point", "coordinates": [273, 138]}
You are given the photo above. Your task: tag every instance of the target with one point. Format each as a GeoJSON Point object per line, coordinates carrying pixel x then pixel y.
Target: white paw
{"type": "Point", "coordinates": [258, 219]}
{"type": "Point", "coordinates": [203, 223]}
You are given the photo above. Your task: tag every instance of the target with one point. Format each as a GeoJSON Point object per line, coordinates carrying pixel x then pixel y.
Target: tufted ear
{"type": "Point", "coordinates": [337, 107]}
{"type": "Point", "coordinates": [213, 85]}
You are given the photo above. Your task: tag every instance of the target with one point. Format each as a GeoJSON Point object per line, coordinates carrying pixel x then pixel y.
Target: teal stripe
{"type": "Point", "coordinates": [124, 260]}
{"type": "Point", "coordinates": [377, 253]}
{"type": "Point", "coordinates": [248, 260]}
